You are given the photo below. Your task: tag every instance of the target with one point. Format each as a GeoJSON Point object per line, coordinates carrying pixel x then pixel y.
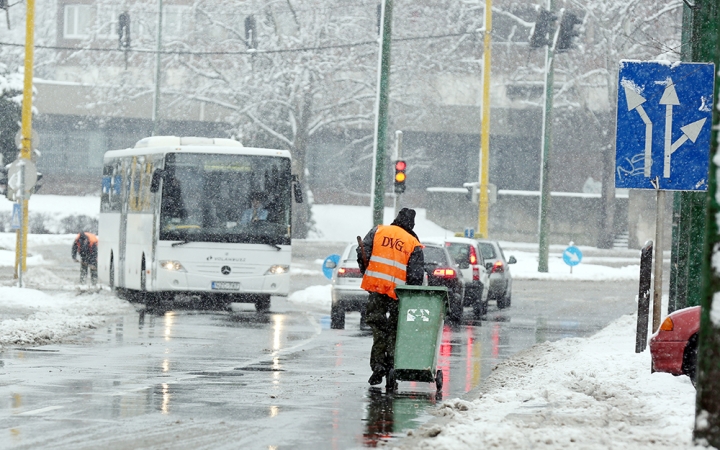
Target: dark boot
{"type": "Point", "coordinates": [377, 375]}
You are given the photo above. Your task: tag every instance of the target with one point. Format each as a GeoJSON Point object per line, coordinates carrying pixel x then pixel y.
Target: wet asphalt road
{"type": "Point", "coordinates": [182, 378]}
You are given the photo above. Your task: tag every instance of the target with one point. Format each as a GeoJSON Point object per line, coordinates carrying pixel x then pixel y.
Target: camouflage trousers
{"type": "Point", "coordinates": [382, 317]}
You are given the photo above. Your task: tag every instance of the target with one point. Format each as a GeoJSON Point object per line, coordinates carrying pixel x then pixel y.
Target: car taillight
{"type": "Point", "coordinates": [349, 272]}
{"type": "Point", "coordinates": [667, 324]}
{"type": "Point", "coordinates": [473, 255]}
{"type": "Point", "coordinates": [444, 273]}
{"type": "Point", "coordinates": [498, 267]}
{"type": "Point", "coordinates": [476, 273]}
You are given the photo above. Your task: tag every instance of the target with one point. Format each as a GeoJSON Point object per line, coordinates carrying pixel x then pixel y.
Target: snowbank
{"type": "Point", "coordinates": [315, 296]}
{"type": "Point", "coordinates": [32, 317]}
{"type": "Point", "coordinates": [593, 393]}
{"type": "Point", "coordinates": [527, 263]}
{"type": "Point", "coordinates": [342, 223]}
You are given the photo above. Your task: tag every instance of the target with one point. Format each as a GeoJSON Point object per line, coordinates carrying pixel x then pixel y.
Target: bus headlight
{"type": "Point", "coordinates": [172, 265]}
{"type": "Point", "coordinates": [277, 270]}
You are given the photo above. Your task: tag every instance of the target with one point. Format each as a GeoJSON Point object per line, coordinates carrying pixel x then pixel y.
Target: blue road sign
{"type": "Point", "coordinates": [572, 256]}
{"type": "Point", "coordinates": [470, 232]}
{"type": "Point", "coordinates": [15, 218]}
{"type": "Point", "coordinates": [664, 115]}
{"type": "Point", "coordinates": [329, 265]}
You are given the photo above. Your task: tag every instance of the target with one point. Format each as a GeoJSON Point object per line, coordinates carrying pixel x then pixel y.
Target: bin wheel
{"type": "Point", "coordinates": [439, 379]}
{"type": "Point", "coordinates": [390, 382]}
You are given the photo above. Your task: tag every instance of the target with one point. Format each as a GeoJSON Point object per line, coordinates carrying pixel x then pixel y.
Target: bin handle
{"type": "Point", "coordinates": [362, 250]}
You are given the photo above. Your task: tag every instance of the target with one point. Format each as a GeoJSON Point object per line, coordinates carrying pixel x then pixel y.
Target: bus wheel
{"type": "Point", "coordinates": [262, 303]}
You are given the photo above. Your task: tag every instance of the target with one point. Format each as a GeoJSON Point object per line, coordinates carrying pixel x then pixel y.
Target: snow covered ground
{"type": "Point", "coordinates": [592, 393]}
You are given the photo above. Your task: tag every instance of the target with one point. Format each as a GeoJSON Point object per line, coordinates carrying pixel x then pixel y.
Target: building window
{"type": "Point", "coordinates": [176, 21]}
{"type": "Point", "coordinates": [78, 20]}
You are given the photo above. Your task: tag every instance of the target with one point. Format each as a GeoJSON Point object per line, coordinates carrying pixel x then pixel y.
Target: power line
{"type": "Point", "coordinates": [241, 52]}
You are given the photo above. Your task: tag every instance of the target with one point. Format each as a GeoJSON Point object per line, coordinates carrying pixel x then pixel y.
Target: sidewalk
{"type": "Point", "coordinates": [591, 393]}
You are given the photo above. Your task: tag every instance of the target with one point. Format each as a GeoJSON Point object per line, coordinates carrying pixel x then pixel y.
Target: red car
{"type": "Point", "coordinates": [674, 347]}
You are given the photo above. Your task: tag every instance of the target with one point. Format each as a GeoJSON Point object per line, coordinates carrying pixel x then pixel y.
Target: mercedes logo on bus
{"type": "Point", "coordinates": [225, 270]}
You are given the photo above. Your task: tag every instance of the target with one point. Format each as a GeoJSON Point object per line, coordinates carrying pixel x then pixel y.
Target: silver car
{"type": "Point", "coordinates": [500, 277]}
{"type": "Point", "coordinates": [346, 292]}
{"type": "Point", "coordinates": [468, 256]}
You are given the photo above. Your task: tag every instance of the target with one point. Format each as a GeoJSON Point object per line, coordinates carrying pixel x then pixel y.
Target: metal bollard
{"type": "Point", "coordinates": [644, 297]}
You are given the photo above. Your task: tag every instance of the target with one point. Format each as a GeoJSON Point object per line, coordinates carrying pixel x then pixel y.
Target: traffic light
{"type": "Point", "coordinates": [544, 27]}
{"type": "Point", "coordinates": [400, 176]}
{"type": "Point", "coordinates": [124, 30]}
{"type": "Point", "coordinates": [567, 31]}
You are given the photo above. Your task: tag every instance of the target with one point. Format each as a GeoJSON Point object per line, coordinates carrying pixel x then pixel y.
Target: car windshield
{"type": "Point", "coordinates": [435, 256]}
{"type": "Point", "coordinates": [226, 198]}
{"type": "Point", "coordinates": [459, 252]}
{"type": "Point", "coordinates": [352, 254]}
{"type": "Point", "coordinates": [487, 250]}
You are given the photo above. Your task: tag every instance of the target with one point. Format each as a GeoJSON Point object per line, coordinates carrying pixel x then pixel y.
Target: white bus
{"type": "Point", "coordinates": [202, 217]}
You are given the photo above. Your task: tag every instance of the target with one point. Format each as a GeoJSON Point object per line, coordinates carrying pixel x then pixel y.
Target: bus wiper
{"type": "Point", "coordinates": [183, 242]}
{"type": "Point", "coordinates": [269, 241]}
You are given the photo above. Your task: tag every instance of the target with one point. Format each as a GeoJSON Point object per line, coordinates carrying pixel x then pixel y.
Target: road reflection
{"type": "Point", "coordinates": [388, 414]}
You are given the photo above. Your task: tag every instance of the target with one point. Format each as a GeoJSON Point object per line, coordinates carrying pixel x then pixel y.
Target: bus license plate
{"type": "Point", "coordinates": [226, 285]}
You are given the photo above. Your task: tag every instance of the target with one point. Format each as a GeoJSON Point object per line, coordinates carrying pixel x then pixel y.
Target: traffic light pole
{"type": "Point", "coordinates": [483, 206]}
{"type": "Point", "coordinates": [26, 140]}
{"type": "Point", "coordinates": [381, 114]}
{"type": "Point", "coordinates": [544, 224]}
{"type": "Point", "coordinates": [706, 40]}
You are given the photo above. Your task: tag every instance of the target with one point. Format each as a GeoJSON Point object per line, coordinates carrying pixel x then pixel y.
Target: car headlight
{"type": "Point", "coordinates": [277, 270]}
{"type": "Point", "coordinates": [172, 265]}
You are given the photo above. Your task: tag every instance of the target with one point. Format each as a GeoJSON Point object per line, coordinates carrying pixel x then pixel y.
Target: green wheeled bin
{"type": "Point", "coordinates": [421, 315]}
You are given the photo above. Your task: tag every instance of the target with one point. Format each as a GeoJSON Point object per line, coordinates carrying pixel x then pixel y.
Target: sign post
{"type": "Point", "coordinates": [572, 256]}
{"type": "Point", "coordinates": [663, 137]}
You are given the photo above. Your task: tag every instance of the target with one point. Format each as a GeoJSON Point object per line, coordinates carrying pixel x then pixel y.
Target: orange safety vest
{"type": "Point", "coordinates": [92, 239]}
{"type": "Point", "coordinates": [387, 267]}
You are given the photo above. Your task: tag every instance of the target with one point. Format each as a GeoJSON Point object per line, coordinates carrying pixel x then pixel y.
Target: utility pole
{"type": "Point", "coordinates": [544, 223]}
{"type": "Point", "coordinates": [158, 61]}
{"type": "Point", "coordinates": [706, 47]}
{"type": "Point", "coordinates": [483, 206]}
{"type": "Point", "coordinates": [381, 114]}
{"type": "Point", "coordinates": [26, 139]}
{"type": "Point", "coordinates": [689, 209]}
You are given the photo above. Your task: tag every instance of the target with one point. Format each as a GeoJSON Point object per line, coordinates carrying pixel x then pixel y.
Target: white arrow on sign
{"type": "Point", "coordinates": [572, 256]}
{"type": "Point", "coordinates": [669, 99]}
{"type": "Point", "coordinates": [635, 101]}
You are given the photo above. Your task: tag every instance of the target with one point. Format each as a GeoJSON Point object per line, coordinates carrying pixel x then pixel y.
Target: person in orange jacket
{"type": "Point", "coordinates": [394, 257]}
{"type": "Point", "coordinates": [85, 245]}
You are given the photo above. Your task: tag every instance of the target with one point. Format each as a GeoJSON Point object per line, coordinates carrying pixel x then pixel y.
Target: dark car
{"type": "Point", "coordinates": [500, 278]}
{"type": "Point", "coordinates": [442, 270]}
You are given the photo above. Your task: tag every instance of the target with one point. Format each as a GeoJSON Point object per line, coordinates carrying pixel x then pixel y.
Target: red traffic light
{"type": "Point", "coordinates": [400, 165]}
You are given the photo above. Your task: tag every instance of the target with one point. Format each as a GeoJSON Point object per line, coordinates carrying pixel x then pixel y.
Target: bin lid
{"type": "Point", "coordinates": [405, 287]}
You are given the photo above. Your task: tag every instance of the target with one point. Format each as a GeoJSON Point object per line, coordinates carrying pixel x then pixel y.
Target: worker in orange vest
{"type": "Point", "coordinates": [390, 255]}
{"type": "Point", "coordinates": [86, 246]}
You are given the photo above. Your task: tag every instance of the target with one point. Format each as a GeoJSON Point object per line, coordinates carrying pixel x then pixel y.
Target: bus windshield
{"type": "Point", "coordinates": [225, 198]}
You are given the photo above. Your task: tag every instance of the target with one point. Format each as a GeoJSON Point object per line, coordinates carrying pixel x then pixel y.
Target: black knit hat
{"type": "Point", "coordinates": [405, 219]}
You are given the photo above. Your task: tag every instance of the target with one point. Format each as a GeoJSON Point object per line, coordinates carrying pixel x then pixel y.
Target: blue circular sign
{"type": "Point", "coordinates": [572, 256]}
{"type": "Point", "coordinates": [329, 265]}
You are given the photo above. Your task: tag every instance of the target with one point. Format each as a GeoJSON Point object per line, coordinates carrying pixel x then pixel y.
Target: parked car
{"type": "Point", "coordinates": [500, 277]}
{"type": "Point", "coordinates": [346, 292]}
{"type": "Point", "coordinates": [674, 347]}
{"type": "Point", "coordinates": [467, 254]}
{"type": "Point", "coordinates": [442, 270]}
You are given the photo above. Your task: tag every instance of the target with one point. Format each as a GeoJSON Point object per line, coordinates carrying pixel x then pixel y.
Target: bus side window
{"type": "Point", "coordinates": [110, 198]}
{"type": "Point", "coordinates": [145, 195]}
